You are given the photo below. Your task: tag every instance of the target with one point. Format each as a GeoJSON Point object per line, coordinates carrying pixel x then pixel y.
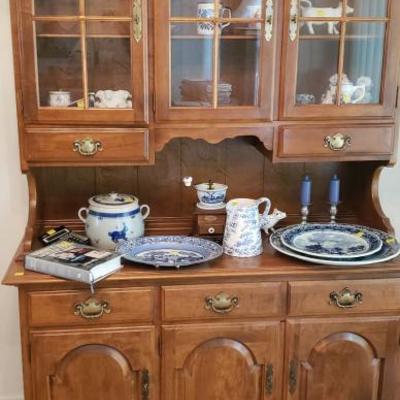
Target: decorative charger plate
{"type": "Point", "coordinates": [333, 241]}
{"type": "Point", "coordinates": [390, 249]}
{"type": "Point", "coordinates": [170, 251]}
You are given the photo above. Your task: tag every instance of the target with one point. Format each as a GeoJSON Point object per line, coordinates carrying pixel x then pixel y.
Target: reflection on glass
{"type": "Point", "coordinates": [246, 8]}
{"type": "Point", "coordinates": [317, 70]}
{"type": "Point", "coordinates": [369, 8]}
{"type": "Point", "coordinates": [109, 65]}
{"type": "Point", "coordinates": [192, 8]}
{"type": "Point", "coordinates": [109, 8]}
{"type": "Point", "coordinates": [363, 59]}
{"type": "Point", "coordinates": [239, 65]}
{"type": "Point", "coordinates": [57, 28]}
{"type": "Point", "coordinates": [59, 72]}
{"type": "Point", "coordinates": [59, 7]}
{"type": "Point", "coordinates": [191, 67]}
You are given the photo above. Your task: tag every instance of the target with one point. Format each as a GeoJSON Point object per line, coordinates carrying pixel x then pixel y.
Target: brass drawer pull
{"type": "Point", "coordinates": [293, 367]}
{"type": "Point", "coordinates": [87, 146]}
{"type": "Point", "coordinates": [345, 298]}
{"type": "Point", "coordinates": [269, 19]}
{"type": "Point", "coordinates": [145, 384]}
{"type": "Point", "coordinates": [137, 20]}
{"type": "Point", "coordinates": [338, 142]}
{"type": "Point", "coordinates": [92, 309]}
{"type": "Point", "coordinates": [222, 303]}
{"type": "Point", "coordinates": [211, 230]}
{"type": "Point", "coordinates": [269, 379]}
{"type": "Point", "coordinates": [293, 25]}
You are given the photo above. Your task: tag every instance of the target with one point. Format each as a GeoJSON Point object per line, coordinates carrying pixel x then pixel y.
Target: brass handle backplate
{"type": "Point", "coordinates": [293, 21]}
{"type": "Point", "coordinates": [87, 146]}
{"type": "Point", "coordinates": [345, 298]}
{"type": "Point", "coordinates": [137, 20]}
{"type": "Point", "coordinates": [338, 142]}
{"type": "Point", "coordinates": [293, 366]}
{"type": "Point", "coordinates": [269, 379]}
{"type": "Point", "coordinates": [222, 303]}
{"type": "Point", "coordinates": [92, 309]}
{"type": "Point", "coordinates": [269, 19]}
{"type": "Point", "coordinates": [145, 384]}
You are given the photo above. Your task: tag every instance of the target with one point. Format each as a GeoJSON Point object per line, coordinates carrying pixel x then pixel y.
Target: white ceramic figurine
{"type": "Point", "coordinates": [309, 11]}
{"type": "Point", "coordinates": [272, 219]}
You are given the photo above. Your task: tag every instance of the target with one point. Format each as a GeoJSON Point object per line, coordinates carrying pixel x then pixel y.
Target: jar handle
{"type": "Point", "coordinates": [147, 213]}
{"type": "Point", "coordinates": [264, 215]}
{"type": "Point", "coordinates": [80, 214]}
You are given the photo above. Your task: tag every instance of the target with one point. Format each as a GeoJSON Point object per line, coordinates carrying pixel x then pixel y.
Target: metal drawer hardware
{"type": "Point", "coordinates": [293, 367]}
{"type": "Point", "coordinates": [345, 298]}
{"type": "Point", "coordinates": [269, 379]}
{"type": "Point", "coordinates": [137, 20]}
{"type": "Point", "coordinates": [269, 19]}
{"type": "Point", "coordinates": [337, 142]}
{"type": "Point", "coordinates": [92, 309]}
{"type": "Point", "coordinates": [222, 303]}
{"type": "Point", "coordinates": [145, 384]}
{"type": "Point", "coordinates": [211, 230]}
{"type": "Point", "coordinates": [87, 146]}
{"type": "Point", "coordinates": [293, 20]}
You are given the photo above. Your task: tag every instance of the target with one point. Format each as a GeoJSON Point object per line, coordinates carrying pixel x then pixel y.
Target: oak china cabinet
{"type": "Point", "coordinates": [132, 95]}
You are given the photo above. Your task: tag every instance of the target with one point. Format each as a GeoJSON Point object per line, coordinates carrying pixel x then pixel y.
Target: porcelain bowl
{"type": "Point", "coordinates": [211, 197]}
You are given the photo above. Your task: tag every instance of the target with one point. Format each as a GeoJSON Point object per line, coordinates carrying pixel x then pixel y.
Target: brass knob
{"type": "Point", "coordinates": [87, 146]}
{"type": "Point", "coordinates": [92, 309]}
{"type": "Point", "coordinates": [345, 298]}
{"type": "Point", "coordinates": [338, 142]}
{"type": "Point", "coordinates": [211, 230]}
{"type": "Point", "coordinates": [222, 303]}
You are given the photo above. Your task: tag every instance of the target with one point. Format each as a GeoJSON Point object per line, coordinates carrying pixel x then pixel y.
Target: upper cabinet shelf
{"type": "Point", "coordinates": [215, 60]}
{"type": "Point", "coordinates": [90, 60]}
{"type": "Point", "coordinates": [340, 61]}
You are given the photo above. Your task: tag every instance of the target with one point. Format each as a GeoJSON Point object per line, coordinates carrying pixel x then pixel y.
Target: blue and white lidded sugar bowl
{"type": "Point", "coordinates": [113, 217]}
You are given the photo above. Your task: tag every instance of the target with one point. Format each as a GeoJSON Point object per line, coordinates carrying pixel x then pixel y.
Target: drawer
{"type": "Point", "coordinates": [105, 306]}
{"type": "Point", "coordinates": [211, 224]}
{"type": "Point", "coordinates": [348, 142]}
{"type": "Point", "coordinates": [248, 300]}
{"type": "Point", "coordinates": [88, 145]}
{"type": "Point", "coordinates": [344, 297]}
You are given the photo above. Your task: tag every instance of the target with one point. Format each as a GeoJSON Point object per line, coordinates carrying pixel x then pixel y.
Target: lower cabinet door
{"type": "Point", "coordinates": [332, 359]}
{"type": "Point", "coordinates": [236, 361]}
{"type": "Point", "coordinates": [100, 364]}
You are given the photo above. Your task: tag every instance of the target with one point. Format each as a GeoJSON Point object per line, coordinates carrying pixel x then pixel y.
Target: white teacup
{"type": "Point", "coordinates": [348, 90]}
{"type": "Point", "coordinates": [207, 10]}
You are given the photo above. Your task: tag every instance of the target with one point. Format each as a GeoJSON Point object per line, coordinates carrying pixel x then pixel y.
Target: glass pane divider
{"type": "Point", "coordinates": [217, 20]}
{"type": "Point", "coordinates": [84, 55]}
{"type": "Point", "coordinates": [341, 63]}
{"type": "Point", "coordinates": [78, 18]}
{"type": "Point", "coordinates": [344, 19]}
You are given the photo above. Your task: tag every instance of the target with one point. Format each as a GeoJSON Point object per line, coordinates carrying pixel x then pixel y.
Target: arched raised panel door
{"type": "Point", "coordinates": [343, 360]}
{"type": "Point", "coordinates": [218, 362]}
{"type": "Point", "coordinates": [101, 365]}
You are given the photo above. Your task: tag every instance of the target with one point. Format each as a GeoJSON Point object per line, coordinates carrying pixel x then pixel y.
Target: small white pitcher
{"type": "Point", "coordinates": [242, 237]}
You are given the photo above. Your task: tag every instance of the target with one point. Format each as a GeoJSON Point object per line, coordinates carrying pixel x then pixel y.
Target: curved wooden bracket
{"type": "Point", "coordinates": [32, 213]}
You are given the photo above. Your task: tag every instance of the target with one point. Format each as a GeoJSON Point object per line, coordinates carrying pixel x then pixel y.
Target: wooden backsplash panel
{"type": "Point", "coordinates": [237, 162]}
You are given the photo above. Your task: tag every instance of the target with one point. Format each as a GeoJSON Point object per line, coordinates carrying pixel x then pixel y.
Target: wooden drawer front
{"type": "Point", "coordinates": [117, 145]}
{"type": "Point", "coordinates": [331, 297]}
{"type": "Point", "coordinates": [116, 305]}
{"type": "Point", "coordinates": [310, 141]}
{"type": "Point", "coordinates": [211, 224]}
{"type": "Point", "coordinates": [235, 301]}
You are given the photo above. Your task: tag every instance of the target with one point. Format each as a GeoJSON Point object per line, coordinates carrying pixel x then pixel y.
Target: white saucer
{"type": "Point", "coordinates": [211, 207]}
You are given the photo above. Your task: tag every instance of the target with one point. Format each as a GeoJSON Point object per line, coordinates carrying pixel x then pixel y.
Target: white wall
{"type": "Point", "coordinates": [13, 207]}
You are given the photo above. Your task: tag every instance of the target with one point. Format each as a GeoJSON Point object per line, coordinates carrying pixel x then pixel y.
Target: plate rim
{"type": "Point", "coordinates": [334, 262]}
{"type": "Point", "coordinates": [333, 256]}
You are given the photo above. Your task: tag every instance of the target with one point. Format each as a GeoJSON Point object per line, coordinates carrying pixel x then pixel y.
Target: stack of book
{"type": "Point", "coordinates": [202, 91]}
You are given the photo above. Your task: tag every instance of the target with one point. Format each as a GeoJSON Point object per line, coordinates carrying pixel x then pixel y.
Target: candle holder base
{"type": "Point", "coordinates": [305, 211]}
{"type": "Point", "coordinates": [333, 212]}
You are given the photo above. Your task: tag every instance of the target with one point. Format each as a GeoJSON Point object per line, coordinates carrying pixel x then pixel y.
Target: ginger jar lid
{"type": "Point", "coordinates": [114, 202]}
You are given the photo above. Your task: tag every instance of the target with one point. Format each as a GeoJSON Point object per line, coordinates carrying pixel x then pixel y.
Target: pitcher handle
{"type": "Point", "coordinates": [228, 11]}
{"type": "Point", "coordinates": [362, 94]}
{"type": "Point", "coordinates": [147, 213]}
{"type": "Point", "coordinates": [267, 202]}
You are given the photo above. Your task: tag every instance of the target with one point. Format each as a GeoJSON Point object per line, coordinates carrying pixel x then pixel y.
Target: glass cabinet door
{"type": "Point", "coordinates": [88, 59]}
{"type": "Point", "coordinates": [215, 58]}
{"type": "Point", "coordinates": [336, 56]}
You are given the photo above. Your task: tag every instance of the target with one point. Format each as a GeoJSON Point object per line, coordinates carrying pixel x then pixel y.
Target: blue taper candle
{"type": "Point", "coordinates": [305, 192]}
{"type": "Point", "coordinates": [334, 190]}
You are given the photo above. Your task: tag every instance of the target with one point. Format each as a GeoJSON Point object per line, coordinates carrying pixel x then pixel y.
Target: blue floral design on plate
{"type": "Point", "coordinates": [331, 240]}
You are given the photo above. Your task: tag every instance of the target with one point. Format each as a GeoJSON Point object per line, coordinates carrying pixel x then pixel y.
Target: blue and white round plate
{"type": "Point", "coordinates": [390, 249]}
{"type": "Point", "coordinates": [169, 251]}
{"type": "Point", "coordinates": [333, 241]}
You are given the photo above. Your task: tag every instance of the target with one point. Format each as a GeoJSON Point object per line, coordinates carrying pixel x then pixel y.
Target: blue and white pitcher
{"type": "Point", "coordinates": [242, 237]}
